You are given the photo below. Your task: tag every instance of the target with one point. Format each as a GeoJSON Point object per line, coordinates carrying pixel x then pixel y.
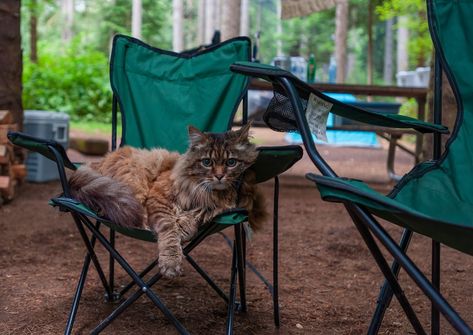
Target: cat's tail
{"type": "Point", "coordinates": [258, 214]}
{"type": "Point", "coordinates": [108, 197]}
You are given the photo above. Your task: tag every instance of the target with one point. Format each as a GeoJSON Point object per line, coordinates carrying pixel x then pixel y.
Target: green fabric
{"type": "Point", "coordinates": [448, 188]}
{"type": "Point", "coordinates": [453, 228]}
{"type": "Point", "coordinates": [161, 93]}
{"type": "Point", "coordinates": [220, 222]}
{"type": "Point", "coordinates": [75, 206]}
{"type": "Point", "coordinates": [40, 146]}
{"type": "Point", "coordinates": [380, 119]}
{"type": "Point", "coordinates": [273, 161]}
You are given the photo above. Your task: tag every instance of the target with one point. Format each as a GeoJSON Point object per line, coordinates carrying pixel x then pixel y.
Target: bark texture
{"type": "Point", "coordinates": [10, 59]}
{"type": "Point", "coordinates": [230, 19]}
{"type": "Point", "coordinates": [341, 30]}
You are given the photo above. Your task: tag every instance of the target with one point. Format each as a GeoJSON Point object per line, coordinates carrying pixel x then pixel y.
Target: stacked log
{"type": "Point", "coordinates": [12, 169]}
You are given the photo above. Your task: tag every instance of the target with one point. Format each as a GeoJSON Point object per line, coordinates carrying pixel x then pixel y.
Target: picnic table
{"type": "Point", "coordinates": [391, 135]}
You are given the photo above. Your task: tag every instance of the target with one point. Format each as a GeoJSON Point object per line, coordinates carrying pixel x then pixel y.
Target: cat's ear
{"type": "Point", "coordinates": [195, 135]}
{"type": "Point", "coordinates": [244, 132]}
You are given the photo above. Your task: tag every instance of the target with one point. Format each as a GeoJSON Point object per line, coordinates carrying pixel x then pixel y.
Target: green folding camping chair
{"type": "Point", "coordinates": [434, 199]}
{"type": "Point", "coordinates": [159, 93]}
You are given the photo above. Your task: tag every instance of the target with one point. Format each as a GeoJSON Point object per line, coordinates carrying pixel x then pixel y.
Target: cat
{"type": "Point", "coordinates": [173, 194]}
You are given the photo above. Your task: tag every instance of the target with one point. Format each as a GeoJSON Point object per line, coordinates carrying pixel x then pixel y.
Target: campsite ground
{"type": "Point", "coordinates": [328, 281]}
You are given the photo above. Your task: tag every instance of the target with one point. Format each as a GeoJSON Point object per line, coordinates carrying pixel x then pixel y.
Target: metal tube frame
{"type": "Point", "coordinates": [364, 220]}
{"type": "Point", "coordinates": [385, 295]}
{"type": "Point", "coordinates": [82, 220]}
{"type": "Point", "coordinates": [144, 287]}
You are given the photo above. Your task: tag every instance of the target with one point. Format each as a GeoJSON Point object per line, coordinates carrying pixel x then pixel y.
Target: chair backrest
{"type": "Point", "coordinates": [448, 183]}
{"type": "Point", "coordinates": [451, 28]}
{"type": "Point", "coordinates": [160, 92]}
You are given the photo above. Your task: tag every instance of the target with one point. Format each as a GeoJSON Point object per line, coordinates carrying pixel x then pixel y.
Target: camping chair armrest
{"type": "Point", "coordinates": [275, 75]}
{"type": "Point", "coordinates": [41, 146]}
{"type": "Point", "coordinates": [48, 148]}
{"type": "Point", "coordinates": [272, 161]}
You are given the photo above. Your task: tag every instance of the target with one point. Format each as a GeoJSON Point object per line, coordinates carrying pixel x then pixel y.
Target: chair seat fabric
{"type": "Point", "coordinates": [271, 162]}
{"type": "Point", "coordinates": [434, 212]}
{"type": "Point", "coordinates": [221, 221]}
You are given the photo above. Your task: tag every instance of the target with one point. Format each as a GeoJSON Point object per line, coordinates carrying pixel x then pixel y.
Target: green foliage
{"type": "Point", "coordinates": [300, 36]}
{"type": "Point", "coordinates": [113, 17]}
{"type": "Point", "coordinates": [72, 80]}
{"type": "Point", "coordinates": [420, 43]}
{"type": "Point", "coordinates": [409, 108]}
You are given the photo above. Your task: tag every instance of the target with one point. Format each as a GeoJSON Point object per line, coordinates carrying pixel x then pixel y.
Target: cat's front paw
{"type": "Point", "coordinates": [170, 266]}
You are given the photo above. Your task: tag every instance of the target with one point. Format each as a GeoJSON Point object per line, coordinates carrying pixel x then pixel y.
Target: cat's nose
{"type": "Point", "coordinates": [219, 176]}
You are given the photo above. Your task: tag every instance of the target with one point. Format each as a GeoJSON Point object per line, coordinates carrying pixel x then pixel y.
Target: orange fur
{"type": "Point", "coordinates": [174, 193]}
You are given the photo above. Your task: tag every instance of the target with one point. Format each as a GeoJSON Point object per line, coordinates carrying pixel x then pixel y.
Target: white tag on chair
{"type": "Point", "coordinates": [317, 115]}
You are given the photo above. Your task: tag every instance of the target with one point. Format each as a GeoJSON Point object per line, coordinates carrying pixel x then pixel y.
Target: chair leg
{"type": "Point", "coordinates": [114, 296]}
{"type": "Point", "coordinates": [232, 295]}
{"type": "Point", "coordinates": [435, 314]}
{"type": "Point", "coordinates": [124, 305]}
{"type": "Point", "coordinates": [143, 273]}
{"type": "Point", "coordinates": [91, 251]}
{"type": "Point", "coordinates": [139, 281]}
{"type": "Point", "coordinates": [80, 287]}
{"type": "Point", "coordinates": [386, 293]}
{"type": "Point", "coordinates": [240, 266]}
{"type": "Point", "coordinates": [384, 267]}
{"type": "Point", "coordinates": [413, 271]}
{"type": "Point", "coordinates": [207, 278]}
{"type": "Point", "coordinates": [275, 292]}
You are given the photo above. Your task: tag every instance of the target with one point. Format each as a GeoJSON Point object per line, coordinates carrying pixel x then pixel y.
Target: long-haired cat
{"type": "Point", "coordinates": [173, 194]}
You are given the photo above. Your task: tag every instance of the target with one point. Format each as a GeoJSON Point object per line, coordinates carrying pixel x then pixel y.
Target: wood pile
{"type": "Point", "coordinates": [12, 169]}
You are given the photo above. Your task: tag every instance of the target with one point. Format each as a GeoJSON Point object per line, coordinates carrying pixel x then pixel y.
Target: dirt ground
{"type": "Point", "coordinates": [328, 281]}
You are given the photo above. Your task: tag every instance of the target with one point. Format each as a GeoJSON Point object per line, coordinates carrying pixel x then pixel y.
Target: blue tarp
{"type": "Point", "coordinates": [340, 137]}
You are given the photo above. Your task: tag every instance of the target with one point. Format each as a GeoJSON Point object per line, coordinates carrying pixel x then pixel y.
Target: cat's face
{"type": "Point", "coordinates": [216, 160]}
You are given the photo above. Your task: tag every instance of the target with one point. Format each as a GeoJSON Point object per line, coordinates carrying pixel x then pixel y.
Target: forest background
{"type": "Point", "coordinates": [66, 43]}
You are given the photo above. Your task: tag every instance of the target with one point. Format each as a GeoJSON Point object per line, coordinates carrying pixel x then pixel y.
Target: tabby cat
{"type": "Point", "coordinates": [173, 194]}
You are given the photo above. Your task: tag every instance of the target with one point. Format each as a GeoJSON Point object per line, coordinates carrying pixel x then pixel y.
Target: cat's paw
{"type": "Point", "coordinates": [170, 266]}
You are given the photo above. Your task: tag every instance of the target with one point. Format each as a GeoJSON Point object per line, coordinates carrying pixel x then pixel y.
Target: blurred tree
{"type": "Point", "coordinates": [67, 9]}
{"type": "Point", "coordinates": [230, 18]}
{"type": "Point", "coordinates": [177, 25]}
{"type": "Point", "coordinates": [136, 18]}
{"type": "Point", "coordinates": [244, 17]}
{"type": "Point", "coordinates": [33, 7]}
{"type": "Point", "coordinates": [341, 31]}
{"type": "Point", "coordinates": [415, 14]}
{"type": "Point", "coordinates": [201, 22]}
{"type": "Point", "coordinates": [210, 23]}
{"type": "Point", "coordinates": [388, 53]}
{"type": "Point", "coordinates": [10, 58]}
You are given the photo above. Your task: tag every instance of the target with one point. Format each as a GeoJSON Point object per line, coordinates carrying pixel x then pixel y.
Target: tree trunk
{"type": "Point", "coordinates": [341, 29]}
{"type": "Point", "coordinates": [245, 18]}
{"type": "Point", "coordinates": [388, 53]}
{"type": "Point", "coordinates": [402, 42]}
{"type": "Point", "coordinates": [201, 23]}
{"type": "Point", "coordinates": [33, 31]}
{"type": "Point", "coordinates": [370, 43]}
{"type": "Point", "coordinates": [209, 19]}
{"type": "Point", "coordinates": [177, 25]}
{"type": "Point", "coordinates": [68, 17]}
{"type": "Point", "coordinates": [136, 18]}
{"type": "Point", "coordinates": [279, 30]}
{"type": "Point", "coordinates": [230, 19]}
{"type": "Point", "coordinates": [10, 59]}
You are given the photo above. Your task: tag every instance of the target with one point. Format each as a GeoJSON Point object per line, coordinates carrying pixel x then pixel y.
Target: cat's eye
{"type": "Point", "coordinates": [231, 162]}
{"type": "Point", "coordinates": [206, 162]}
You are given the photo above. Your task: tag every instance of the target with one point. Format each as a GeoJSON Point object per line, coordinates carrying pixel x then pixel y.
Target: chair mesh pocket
{"type": "Point", "coordinates": [279, 114]}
